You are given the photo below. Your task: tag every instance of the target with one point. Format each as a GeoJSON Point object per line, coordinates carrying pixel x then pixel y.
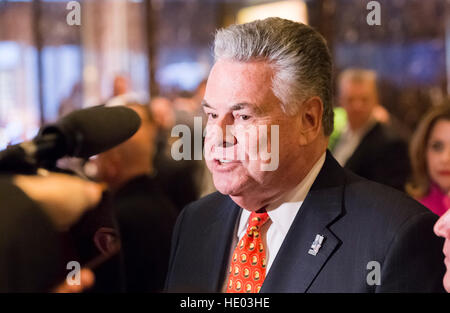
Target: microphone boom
{"type": "Point", "coordinates": [82, 133]}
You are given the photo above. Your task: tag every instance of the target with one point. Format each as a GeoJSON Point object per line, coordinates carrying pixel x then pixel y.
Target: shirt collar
{"type": "Point", "coordinates": [283, 211]}
{"type": "Point", "coordinates": [360, 133]}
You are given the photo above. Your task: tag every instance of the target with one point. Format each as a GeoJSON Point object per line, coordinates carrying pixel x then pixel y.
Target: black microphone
{"type": "Point", "coordinates": [82, 133]}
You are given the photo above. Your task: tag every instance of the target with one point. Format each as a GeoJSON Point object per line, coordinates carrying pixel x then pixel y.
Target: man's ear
{"type": "Point", "coordinates": [311, 113]}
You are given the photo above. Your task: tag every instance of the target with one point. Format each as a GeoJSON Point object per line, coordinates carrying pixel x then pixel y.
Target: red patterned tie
{"type": "Point", "coordinates": [248, 265]}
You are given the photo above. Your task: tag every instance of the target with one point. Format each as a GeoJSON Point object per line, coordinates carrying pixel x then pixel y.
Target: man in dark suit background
{"type": "Point", "coordinates": [317, 227]}
{"type": "Point", "coordinates": [144, 213]}
{"type": "Point", "coordinates": [367, 146]}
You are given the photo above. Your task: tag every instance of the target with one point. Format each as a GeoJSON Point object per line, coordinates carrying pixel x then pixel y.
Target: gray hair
{"type": "Point", "coordinates": [298, 54]}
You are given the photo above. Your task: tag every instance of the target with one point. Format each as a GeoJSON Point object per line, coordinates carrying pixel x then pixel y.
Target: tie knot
{"type": "Point", "coordinates": [256, 221]}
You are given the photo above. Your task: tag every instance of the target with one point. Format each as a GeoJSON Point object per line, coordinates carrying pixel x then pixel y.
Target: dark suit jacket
{"type": "Point", "coordinates": [382, 157]}
{"type": "Point", "coordinates": [361, 221]}
{"type": "Point", "coordinates": [146, 218]}
{"type": "Point", "coordinates": [177, 179]}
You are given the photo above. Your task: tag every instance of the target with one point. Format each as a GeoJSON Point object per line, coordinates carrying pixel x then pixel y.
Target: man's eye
{"type": "Point", "coordinates": [212, 115]}
{"type": "Point", "coordinates": [244, 117]}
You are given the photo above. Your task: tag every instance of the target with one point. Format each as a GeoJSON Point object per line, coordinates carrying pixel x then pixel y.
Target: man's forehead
{"type": "Point", "coordinates": [248, 73]}
{"type": "Point", "coordinates": [239, 85]}
{"type": "Point", "coordinates": [357, 84]}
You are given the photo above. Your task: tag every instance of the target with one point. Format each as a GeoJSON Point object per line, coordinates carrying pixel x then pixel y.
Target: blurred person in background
{"type": "Point", "coordinates": [122, 92]}
{"type": "Point", "coordinates": [430, 159]}
{"type": "Point", "coordinates": [120, 85]}
{"type": "Point", "coordinates": [185, 110]}
{"type": "Point", "coordinates": [177, 178]}
{"type": "Point", "coordinates": [144, 214]}
{"type": "Point", "coordinates": [368, 146]}
{"type": "Point", "coordinates": [183, 180]}
{"type": "Point", "coordinates": [163, 113]}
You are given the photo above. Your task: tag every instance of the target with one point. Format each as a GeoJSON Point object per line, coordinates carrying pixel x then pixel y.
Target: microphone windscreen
{"type": "Point", "coordinates": [90, 131]}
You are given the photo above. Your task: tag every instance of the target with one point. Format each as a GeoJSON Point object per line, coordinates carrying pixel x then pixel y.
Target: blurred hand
{"type": "Point", "coordinates": [62, 197]}
{"type": "Point", "coordinates": [87, 279]}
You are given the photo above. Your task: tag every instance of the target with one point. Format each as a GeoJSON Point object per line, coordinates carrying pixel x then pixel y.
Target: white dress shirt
{"type": "Point", "coordinates": [281, 215]}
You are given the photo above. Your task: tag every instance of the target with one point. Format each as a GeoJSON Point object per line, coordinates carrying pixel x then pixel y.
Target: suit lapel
{"type": "Point", "coordinates": [219, 236]}
{"type": "Point", "coordinates": [294, 269]}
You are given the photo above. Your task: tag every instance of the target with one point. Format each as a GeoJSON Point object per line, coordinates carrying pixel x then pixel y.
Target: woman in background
{"type": "Point", "coordinates": [430, 160]}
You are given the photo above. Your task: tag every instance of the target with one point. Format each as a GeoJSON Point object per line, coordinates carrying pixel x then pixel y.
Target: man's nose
{"type": "Point", "coordinates": [442, 226]}
{"type": "Point", "coordinates": [226, 127]}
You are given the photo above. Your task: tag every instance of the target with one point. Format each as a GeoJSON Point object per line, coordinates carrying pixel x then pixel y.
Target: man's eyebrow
{"type": "Point", "coordinates": [234, 107]}
{"type": "Point", "coordinates": [243, 105]}
{"type": "Point", "coordinates": [239, 106]}
{"type": "Point", "coordinates": [205, 104]}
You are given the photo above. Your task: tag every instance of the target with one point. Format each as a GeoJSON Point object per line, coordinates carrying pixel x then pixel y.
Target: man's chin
{"type": "Point", "coordinates": [227, 187]}
{"type": "Point", "coordinates": [446, 280]}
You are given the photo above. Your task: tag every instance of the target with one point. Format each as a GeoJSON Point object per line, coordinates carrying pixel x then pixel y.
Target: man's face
{"type": "Point", "coordinates": [442, 229]}
{"type": "Point", "coordinates": [358, 99]}
{"type": "Point", "coordinates": [238, 96]}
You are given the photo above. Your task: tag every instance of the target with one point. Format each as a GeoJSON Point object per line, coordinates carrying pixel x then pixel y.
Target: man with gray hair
{"type": "Point", "coordinates": [308, 225]}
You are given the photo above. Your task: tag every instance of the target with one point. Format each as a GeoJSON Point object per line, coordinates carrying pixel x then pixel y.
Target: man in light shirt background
{"type": "Point", "coordinates": [368, 145]}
